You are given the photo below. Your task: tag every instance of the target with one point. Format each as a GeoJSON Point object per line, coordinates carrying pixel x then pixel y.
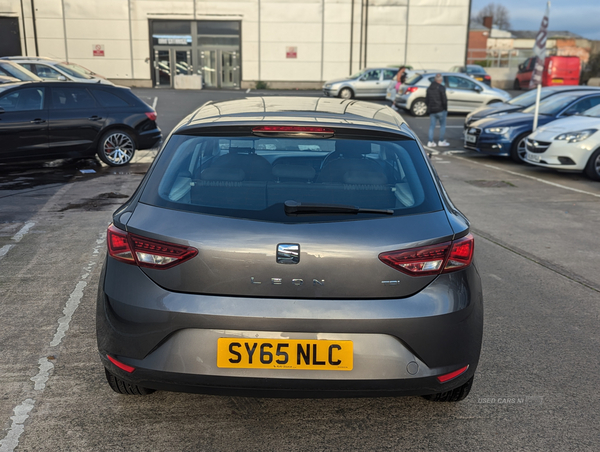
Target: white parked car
{"type": "Point", "coordinates": [568, 144]}
{"type": "Point", "coordinates": [49, 69]}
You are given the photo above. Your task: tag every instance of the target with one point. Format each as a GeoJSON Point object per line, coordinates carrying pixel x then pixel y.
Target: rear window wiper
{"type": "Point", "coordinates": [294, 208]}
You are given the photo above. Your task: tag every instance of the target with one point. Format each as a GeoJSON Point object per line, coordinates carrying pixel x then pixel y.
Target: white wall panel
{"type": "Point", "coordinates": [276, 52]}
{"type": "Point", "coordinates": [89, 9]}
{"type": "Point", "coordinates": [95, 30]}
{"type": "Point", "coordinates": [140, 9]}
{"type": "Point", "coordinates": [249, 70]}
{"type": "Point", "coordinates": [49, 29]}
{"type": "Point", "coordinates": [437, 35]}
{"type": "Point", "coordinates": [48, 9]}
{"type": "Point", "coordinates": [52, 48]}
{"type": "Point", "coordinates": [433, 15]}
{"type": "Point", "coordinates": [140, 29]}
{"type": "Point", "coordinates": [299, 70]}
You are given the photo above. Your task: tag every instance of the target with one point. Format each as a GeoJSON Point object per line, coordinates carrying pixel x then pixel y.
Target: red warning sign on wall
{"type": "Point", "coordinates": [98, 50]}
{"type": "Point", "coordinates": [291, 52]}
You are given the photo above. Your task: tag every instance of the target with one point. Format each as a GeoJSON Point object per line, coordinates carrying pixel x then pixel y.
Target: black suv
{"type": "Point", "coordinates": [50, 120]}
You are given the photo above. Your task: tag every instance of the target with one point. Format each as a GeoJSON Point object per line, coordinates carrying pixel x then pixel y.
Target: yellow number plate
{"type": "Point", "coordinates": [284, 354]}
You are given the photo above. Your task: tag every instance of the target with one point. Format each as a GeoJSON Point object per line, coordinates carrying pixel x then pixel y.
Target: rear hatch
{"type": "Point", "coordinates": [291, 217]}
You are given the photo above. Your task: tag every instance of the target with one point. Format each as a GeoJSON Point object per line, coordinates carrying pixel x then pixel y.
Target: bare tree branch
{"type": "Point", "coordinates": [498, 12]}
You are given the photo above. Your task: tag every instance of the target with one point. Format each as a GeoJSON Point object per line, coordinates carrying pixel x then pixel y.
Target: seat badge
{"type": "Point", "coordinates": [288, 253]}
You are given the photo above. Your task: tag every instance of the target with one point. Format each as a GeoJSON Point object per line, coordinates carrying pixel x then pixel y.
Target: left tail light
{"type": "Point", "coordinates": [432, 260]}
{"type": "Point", "coordinates": [144, 252]}
{"type": "Point", "coordinates": [411, 89]}
{"type": "Point", "coordinates": [151, 115]}
{"type": "Point", "coordinates": [487, 77]}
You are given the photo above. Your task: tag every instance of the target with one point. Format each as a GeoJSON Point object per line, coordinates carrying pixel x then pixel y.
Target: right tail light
{"type": "Point", "coordinates": [433, 259]}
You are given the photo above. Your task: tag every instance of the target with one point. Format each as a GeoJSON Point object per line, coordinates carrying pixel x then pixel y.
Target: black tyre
{"type": "Point", "coordinates": [592, 169]}
{"type": "Point", "coordinates": [116, 147]}
{"type": "Point", "coordinates": [454, 395]}
{"type": "Point", "coordinates": [518, 150]}
{"type": "Point", "coordinates": [419, 107]}
{"type": "Point", "coordinates": [346, 93]}
{"type": "Point", "coordinates": [123, 387]}
{"type": "Point", "coordinates": [516, 84]}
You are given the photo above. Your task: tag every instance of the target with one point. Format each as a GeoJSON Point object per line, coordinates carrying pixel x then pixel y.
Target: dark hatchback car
{"type": "Point", "coordinates": [291, 246]}
{"type": "Point", "coordinates": [519, 103]}
{"type": "Point", "coordinates": [475, 71]}
{"type": "Point", "coordinates": [51, 120]}
{"type": "Point", "coordinates": [506, 135]}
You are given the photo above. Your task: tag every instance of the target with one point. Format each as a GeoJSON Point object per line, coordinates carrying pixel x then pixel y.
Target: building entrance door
{"type": "Point", "coordinates": [220, 68]}
{"type": "Point", "coordinates": [169, 62]}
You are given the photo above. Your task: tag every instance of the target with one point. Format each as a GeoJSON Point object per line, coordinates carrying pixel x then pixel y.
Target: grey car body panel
{"type": "Point", "coordinates": [337, 259]}
{"type": "Point", "coordinates": [375, 356]}
{"type": "Point", "coordinates": [441, 325]}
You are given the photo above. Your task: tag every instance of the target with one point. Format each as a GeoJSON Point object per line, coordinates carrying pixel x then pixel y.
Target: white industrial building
{"type": "Point", "coordinates": [234, 43]}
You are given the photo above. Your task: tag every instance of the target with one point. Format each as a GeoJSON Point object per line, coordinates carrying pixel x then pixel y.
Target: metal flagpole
{"type": "Point", "coordinates": [539, 49]}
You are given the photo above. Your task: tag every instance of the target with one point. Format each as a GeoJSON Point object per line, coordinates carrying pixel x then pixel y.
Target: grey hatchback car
{"type": "Point", "coordinates": [298, 247]}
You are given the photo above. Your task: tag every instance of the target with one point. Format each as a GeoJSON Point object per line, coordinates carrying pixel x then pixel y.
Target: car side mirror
{"type": "Point", "coordinates": [362, 79]}
{"type": "Point", "coordinates": [521, 67]}
{"type": "Point", "coordinates": [1, 110]}
{"type": "Point", "coordinates": [62, 78]}
{"type": "Point", "coordinates": [478, 89]}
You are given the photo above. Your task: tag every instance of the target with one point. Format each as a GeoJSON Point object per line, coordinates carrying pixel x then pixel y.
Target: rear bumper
{"type": "Point", "coordinates": [292, 388]}
{"type": "Point", "coordinates": [149, 138]}
{"type": "Point", "coordinates": [170, 338]}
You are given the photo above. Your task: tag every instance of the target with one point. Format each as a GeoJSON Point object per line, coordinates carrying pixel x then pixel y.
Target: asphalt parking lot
{"type": "Point", "coordinates": [535, 388]}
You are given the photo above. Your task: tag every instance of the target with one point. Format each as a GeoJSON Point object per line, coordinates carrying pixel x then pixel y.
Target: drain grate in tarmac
{"type": "Point", "coordinates": [490, 183]}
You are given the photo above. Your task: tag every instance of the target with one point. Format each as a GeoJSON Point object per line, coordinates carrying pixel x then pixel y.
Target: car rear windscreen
{"type": "Point", "coordinates": [252, 177]}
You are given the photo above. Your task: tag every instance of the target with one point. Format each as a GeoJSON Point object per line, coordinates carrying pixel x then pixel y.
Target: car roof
{"type": "Point", "coordinates": [22, 57]}
{"type": "Point", "coordinates": [286, 110]}
{"type": "Point", "coordinates": [576, 92]}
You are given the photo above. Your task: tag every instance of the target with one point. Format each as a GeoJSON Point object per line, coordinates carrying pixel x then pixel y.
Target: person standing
{"type": "Point", "coordinates": [437, 105]}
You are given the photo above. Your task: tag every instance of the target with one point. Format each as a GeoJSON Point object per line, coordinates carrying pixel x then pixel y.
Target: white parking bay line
{"type": "Point", "coordinates": [24, 230]}
{"type": "Point", "coordinates": [16, 238]}
{"type": "Point", "coordinates": [154, 103]}
{"type": "Point", "coordinates": [45, 367]}
{"type": "Point", "coordinates": [554, 184]}
{"type": "Point", "coordinates": [5, 250]}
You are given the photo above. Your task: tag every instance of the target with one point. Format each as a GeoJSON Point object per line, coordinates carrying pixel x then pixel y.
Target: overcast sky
{"type": "Point", "coordinates": [578, 16]}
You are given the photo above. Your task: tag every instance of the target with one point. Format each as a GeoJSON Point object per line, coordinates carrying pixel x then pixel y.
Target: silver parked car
{"type": "Point", "coordinates": [464, 94]}
{"type": "Point", "coordinates": [372, 82]}
{"type": "Point", "coordinates": [296, 246]}
{"type": "Point", "coordinates": [49, 69]}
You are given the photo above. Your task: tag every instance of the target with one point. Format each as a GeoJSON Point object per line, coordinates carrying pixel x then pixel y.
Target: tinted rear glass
{"type": "Point", "coordinates": [412, 79]}
{"type": "Point", "coordinates": [252, 177]}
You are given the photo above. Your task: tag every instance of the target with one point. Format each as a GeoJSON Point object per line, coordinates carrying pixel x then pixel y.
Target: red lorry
{"type": "Point", "coordinates": [558, 70]}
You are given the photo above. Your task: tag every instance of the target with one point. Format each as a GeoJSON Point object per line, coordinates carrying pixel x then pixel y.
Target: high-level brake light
{"type": "Point", "coordinates": [432, 260]}
{"type": "Point", "coordinates": [144, 252]}
{"type": "Point", "coordinates": [296, 131]}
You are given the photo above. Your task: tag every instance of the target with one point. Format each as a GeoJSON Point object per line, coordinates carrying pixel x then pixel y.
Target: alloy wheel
{"type": "Point", "coordinates": [118, 148]}
{"type": "Point", "coordinates": [346, 93]}
{"type": "Point", "coordinates": [419, 108]}
{"type": "Point", "coordinates": [522, 149]}
{"type": "Point", "coordinates": [596, 165]}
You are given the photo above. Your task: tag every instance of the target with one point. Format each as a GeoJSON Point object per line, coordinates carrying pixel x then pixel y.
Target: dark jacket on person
{"type": "Point", "coordinates": [436, 98]}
